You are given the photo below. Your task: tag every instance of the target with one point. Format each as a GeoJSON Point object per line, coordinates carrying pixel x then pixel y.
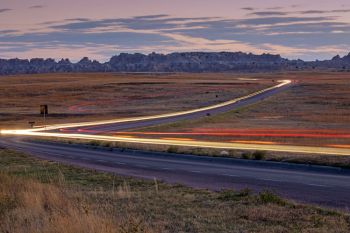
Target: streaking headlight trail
{"type": "Point", "coordinates": [144, 118]}
{"type": "Point", "coordinates": [43, 132]}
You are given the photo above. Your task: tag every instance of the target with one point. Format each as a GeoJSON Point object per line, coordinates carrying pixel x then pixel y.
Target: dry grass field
{"type": "Point", "coordinates": [84, 97]}
{"type": "Point", "coordinates": [41, 196]}
{"type": "Point", "coordinates": [316, 111]}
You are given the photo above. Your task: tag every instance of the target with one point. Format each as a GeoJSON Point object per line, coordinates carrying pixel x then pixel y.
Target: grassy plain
{"type": "Point", "coordinates": [42, 196]}
{"type": "Point", "coordinates": [86, 97]}
{"type": "Point", "coordinates": [319, 103]}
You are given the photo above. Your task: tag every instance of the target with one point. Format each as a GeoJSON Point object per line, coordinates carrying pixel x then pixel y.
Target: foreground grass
{"type": "Point", "coordinates": [42, 196]}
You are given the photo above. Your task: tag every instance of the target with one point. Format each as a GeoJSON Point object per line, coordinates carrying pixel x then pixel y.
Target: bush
{"type": "Point", "coordinates": [244, 192]}
{"type": "Point", "coordinates": [259, 155]}
{"type": "Point", "coordinates": [94, 143]}
{"type": "Point", "coordinates": [267, 196]}
{"type": "Point", "coordinates": [173, 149]}
{"type": "Point", "coordinates": [246, 155]}
{"type": "Point", "coordinates": [107, 144]}
{"type": "Point", "coordinates": [230, 195]}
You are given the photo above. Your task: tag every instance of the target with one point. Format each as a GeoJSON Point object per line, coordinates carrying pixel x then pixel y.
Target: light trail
{"type": "Point", "coordinates": [242, 134]}
{"type": "Point", "coordinates": [331, 131]}
{"type": "Point", "coordinates": [201, 144]}
{"type": "Point", "coordinates": [160, 116]}
{"type": "Point", "coordinates": [179, 139]}
{"type": "Point", "coordinates": [340, 146]}
{"type": "Point", "coordinates": [174, 142]}
{"type": "Point", "coordinates": [306, 133]}
{"type": "Point", "coordinates": [256, 142]}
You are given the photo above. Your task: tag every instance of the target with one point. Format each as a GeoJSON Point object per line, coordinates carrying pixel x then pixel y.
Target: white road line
{"type": "Point", "coordinates": [100, 160]}
{"type": "Point", "coordinates": [119, 163]}
{"type": "Point", "coordinates": [274, 180]}
{"type": "Point", "coordinates": [318, 185]}
{"type": "Point", "coordinates": [166, 168]}
{"type": "Point", "coordinates": [230, 175]}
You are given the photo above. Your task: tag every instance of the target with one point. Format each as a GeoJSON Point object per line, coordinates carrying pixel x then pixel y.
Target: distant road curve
{"type": "Point", "coordinates": [136, 122]}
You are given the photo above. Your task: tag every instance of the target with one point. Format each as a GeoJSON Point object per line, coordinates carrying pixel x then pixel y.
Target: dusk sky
{"type": "Point", "coordinates": [314, 29]}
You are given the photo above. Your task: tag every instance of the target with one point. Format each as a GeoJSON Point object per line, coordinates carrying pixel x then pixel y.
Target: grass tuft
{"type": "Point", "coordinates": [268, 197]}
{"type": "Point", "coordinates": [259, 155]}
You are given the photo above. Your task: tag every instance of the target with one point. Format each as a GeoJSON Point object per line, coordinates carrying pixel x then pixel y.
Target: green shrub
{"type": "Point", "coordinates": [107, 144]}
{"type": "Point", "coordinates": [94, 143]}
{"type": "Point", "coordinates": [244, 192]}
{"type": "Point", "coordinates": [259, 155]}
{"type": "Point", "coordinates": [231, 195]}
{"type": "Point", "coordinates": [267, 196]}
{"type": "Point", "coordinates": [246, 155]}
{"type": "Point", "coordinates": [173, 149]}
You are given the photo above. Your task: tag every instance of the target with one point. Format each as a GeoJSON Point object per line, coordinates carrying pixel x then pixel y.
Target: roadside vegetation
{"type": "Point", "coordinates": [43, 196]}
{"type": "Point", "coordinates": [310, 159]}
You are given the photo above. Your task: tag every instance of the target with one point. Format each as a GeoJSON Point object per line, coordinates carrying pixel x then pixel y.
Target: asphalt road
{"type": "Point", "coordinates": [103, 128]}
{"type": "Point", "coordinates": [313, 184]}
{"type": "Point", "coordinates": [319, 185]}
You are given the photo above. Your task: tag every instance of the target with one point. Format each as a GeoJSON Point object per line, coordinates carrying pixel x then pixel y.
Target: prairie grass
{"type": "Point", "coordinates": [30, 206]}
{"type": "Point", "coordinates": [96, 96]}
{"type": "Point", "coordinates": [317, 101]}
{"type": "Point", "coordinates": [43, 196]}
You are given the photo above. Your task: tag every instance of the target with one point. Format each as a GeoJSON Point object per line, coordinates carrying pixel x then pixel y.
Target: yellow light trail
{"type": "Point", "coordinates": [142, 118]}
{"type": "Point", "coordinates": [177, 142]}
{"type": "Point", "coordinates": [254, 142]}
{"type": "Point", "coordinates": [201, 144]}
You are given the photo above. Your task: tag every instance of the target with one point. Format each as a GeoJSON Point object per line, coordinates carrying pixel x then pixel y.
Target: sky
{"type": "Point", "coordinates": [99, 29]}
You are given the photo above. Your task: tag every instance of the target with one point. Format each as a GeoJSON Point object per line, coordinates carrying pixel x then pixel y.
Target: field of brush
{"type": "Point", "coordinates": [42, 196]}
{"type": "Point", "coordinates": [85, 97]}
{"type": "Point", "coordinates": [315, 111]}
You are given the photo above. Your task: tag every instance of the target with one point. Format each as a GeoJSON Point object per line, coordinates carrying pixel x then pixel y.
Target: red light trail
{"type": "Point", "coordinates": [252, 133]}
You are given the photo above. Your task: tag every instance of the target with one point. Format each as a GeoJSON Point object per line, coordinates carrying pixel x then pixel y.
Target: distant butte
{"type": "Point", "coordinates": [174, 62]}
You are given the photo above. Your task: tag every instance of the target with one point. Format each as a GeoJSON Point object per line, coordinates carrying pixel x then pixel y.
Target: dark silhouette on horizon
{"type": "Point", "coordinates": [174, 62]}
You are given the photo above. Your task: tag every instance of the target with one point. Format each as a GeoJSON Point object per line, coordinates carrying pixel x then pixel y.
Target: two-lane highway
{"type": "Point", "coordinates": [326, 186]}
{"type": "Point", "coordinates": [314, 184]}
{"type": "Point", "coordinates": [136, 122]}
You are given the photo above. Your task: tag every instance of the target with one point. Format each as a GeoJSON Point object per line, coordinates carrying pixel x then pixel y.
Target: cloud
{"type": "Point", "coordinates": [248, 8]}
{"type": "Point", "coordinates": [149, 22]}
{"type": "Point", "coordinates": [274, 12]}
{"type": "Point", "coordinates": [341, 11]}
{"type": "Point", "coordinates": [5, 32]}
{"type": "Point", "coordinates": [37, 7]}
{"type": "Point", "coordinates": [290, 36]}
{"type": "Point", "coordinates": [268, 13]}
{"type": "Point", "coordinates": [58, 51]}
{"type": "Point", "coordinates": [151, 16]}
{"type": "Point", "coordinates": [5, 10]}
{"type": "Point", "coordinates": [313, 12]}
{"type": "Point", "coordinates": [280, 20]}
{"type": "Point", "coordinates": [76, 19]}
{"type": "Point", "coordinates": [275, 8]}
{"type": "Point", "coordinates": [324, 12]}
